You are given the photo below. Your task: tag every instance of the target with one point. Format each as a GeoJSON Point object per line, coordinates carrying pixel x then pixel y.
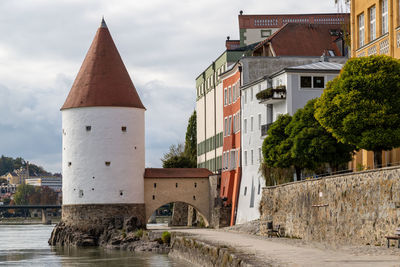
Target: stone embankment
{"type": "Point", "coordinates": [358, 208]}
{"type": "Point", "coordinates": [112, 234]}
{"type": "Point", "coordinates": [207, 253]}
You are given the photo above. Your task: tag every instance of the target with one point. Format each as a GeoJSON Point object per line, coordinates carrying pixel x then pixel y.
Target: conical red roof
{"type": "Point", "coordinates": [103, 79]}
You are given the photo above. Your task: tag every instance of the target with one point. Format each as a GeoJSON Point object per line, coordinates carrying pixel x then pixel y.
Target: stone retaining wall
{"type": "Point", "coordinates": [357, 208]}
{"type": "Point", "coordinates": [201, 253]}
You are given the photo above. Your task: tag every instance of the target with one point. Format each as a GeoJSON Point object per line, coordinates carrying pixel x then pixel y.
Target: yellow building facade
{"type": "Point", "coordinates": [375, 30]}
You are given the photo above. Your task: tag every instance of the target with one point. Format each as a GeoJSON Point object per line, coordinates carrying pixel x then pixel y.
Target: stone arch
{"type": "Point", "coordinates": [192, 191]}
{"type": "Point", "coordinates": [150, 209]}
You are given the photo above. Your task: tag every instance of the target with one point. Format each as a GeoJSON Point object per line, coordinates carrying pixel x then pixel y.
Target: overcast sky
{"type": "Point", "coordinates": [164, 44]}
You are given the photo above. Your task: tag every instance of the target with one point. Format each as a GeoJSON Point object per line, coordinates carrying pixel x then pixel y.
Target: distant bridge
{"type": "Point", "coordinates": [14, 207]}
{"type": "Point", "coordinates": [44, 209]}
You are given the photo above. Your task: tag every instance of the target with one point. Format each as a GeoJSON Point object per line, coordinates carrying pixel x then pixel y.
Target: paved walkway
{"type": "Point", "coordinates": [277, 253]}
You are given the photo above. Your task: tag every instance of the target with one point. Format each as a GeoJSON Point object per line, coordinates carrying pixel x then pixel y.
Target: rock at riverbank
{"type": "Point", "coordinates": [115, 234]}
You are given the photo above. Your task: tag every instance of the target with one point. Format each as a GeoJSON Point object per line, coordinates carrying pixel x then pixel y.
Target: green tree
{"type": "Point", "coordinates": [362, 105]}
{"type": "Point", "coordinates": [180, 156]}
{"type": "Point", "coordinates": [313, 145]}
{"type": "Point", "coordinates": [23, 193]}
{"type": "Point", "coordinates": [191, 139]}
{"type": "Point", "coordinates": [277, 145]}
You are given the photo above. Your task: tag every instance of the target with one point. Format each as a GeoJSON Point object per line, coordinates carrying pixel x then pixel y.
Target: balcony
{"type": "Point", "coordinates": [264, 129]}
{"type": "Point", "coordinates": [272, 95]}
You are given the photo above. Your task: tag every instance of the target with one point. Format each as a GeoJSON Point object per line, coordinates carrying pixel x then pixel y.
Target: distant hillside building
{"type": "Point", "coordinates": [54, 183]}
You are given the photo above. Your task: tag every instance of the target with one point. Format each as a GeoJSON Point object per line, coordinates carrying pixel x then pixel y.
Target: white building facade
{"type": "Point", "coordinates": [291, 88]}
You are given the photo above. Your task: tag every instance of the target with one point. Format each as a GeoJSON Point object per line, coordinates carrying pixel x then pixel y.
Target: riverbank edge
{"type": "Point", "coordinates": [206, 253]}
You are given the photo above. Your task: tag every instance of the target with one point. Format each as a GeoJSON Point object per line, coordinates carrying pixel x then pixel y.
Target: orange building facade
{"type": "Point", "coordinates": [375, 30]}
{"type": "Point", "coordinates": [231, 173]}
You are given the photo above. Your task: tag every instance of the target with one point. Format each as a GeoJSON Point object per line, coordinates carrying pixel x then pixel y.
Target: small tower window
{"type": "Point", "coordinates": [69, 164]}
{"type": "Point", "coordinates": [88, 128]}
{"type": "Point", "coordinates": [195, 184]}
{"type": "Point", "coordinates": [123, 128]}
{"type": "Point", "coordinates": [176, 185]}
{"type": "Point", "coordinates": [81, 193]}
{"type": "Point", "coordinates": [93, 177]}
{"type": "Point", "coordinates": [155, 185]}
{"type": "Point", "coordinates": [154, 197]}
{"type": "Point", "coordinates": [194, 197]}
{"type": "Point", "coordinates": [108, 163]}
{"type": "Point", "coordinates": [92, 189]}
{"type": "Point", "coordinates": [121, 193]}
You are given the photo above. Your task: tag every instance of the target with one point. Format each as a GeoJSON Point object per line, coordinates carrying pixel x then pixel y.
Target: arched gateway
{"type": "Point", "coordinates": [188, 185]}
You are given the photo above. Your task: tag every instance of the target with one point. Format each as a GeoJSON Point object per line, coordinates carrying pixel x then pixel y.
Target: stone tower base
{"type": "Point", "coordinates": [94, 224]}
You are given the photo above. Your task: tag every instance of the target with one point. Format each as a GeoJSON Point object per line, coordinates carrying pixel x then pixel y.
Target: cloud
{"type": "Point", "coordinates": [164, 44]}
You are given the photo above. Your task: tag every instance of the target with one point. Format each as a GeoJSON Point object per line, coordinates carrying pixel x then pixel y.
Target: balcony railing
{"type": "Point", "coordinates": [264, 129]}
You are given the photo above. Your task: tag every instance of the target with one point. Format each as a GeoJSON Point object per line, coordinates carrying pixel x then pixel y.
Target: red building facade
{"type": "Point", "coordinates": [231, 171]}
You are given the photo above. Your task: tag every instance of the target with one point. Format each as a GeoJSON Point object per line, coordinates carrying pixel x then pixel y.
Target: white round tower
{"type": "Point", "coordinates": [103, 140]}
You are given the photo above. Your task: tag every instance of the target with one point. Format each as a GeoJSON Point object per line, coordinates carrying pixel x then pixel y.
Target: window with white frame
{"type": "Point", "coordinates": [259, 87]}
{"type": "Point", "coordinates": [226, 127]}
{"type": "Point", "coordinates": [385, 16]}
{"type": "Point", "coordinates": [225, 96]}
{"type": "Point", "coordinates": [317, 82]}
{"type": "Point", "coordinates": [251, 124]}
{"type": "Point", "coordinates": [361, 34]}
{"type": "Point", "coordinates": [245, 158]}
{"type": "Point", "coordinates": [229, 95]}
{"type": "Point", "coordinates": [233, 93]}
{"type": "Point", "coordinates": [251, 94]}
{"type": "Point", "coordinates": [229, 125]}
{"type": "Point", "coordinates": [234, 124]}
{"type": "Point", "coordinates": [259, 121]}
{"type": "Point", "coordinates": [259, 155]}
{"type": "Point", "coordinates": [252, 157]}
{"type": "Point", "coordinates": [245, 126]}
{"type": "Point", "coordinates": [372, 23]}
{"type": "Point", "coordinates": [245, 96]}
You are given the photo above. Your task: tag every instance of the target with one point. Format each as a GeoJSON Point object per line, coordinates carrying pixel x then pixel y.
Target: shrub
{"type": "Point", "coordinates": [166, 237]}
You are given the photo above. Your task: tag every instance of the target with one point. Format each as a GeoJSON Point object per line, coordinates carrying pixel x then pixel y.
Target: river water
{"type": "Point", "coordinates": [26, 245]}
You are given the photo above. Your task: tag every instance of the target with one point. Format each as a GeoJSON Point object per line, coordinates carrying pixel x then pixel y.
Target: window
{"type": "Point", "coordinates": [226, 127]}
{"type": "Point", "coordinates": [251, 94]}
{"type": "Point", "coordinates": [229, 125]}
{"type": "Point", "coordinates": [155, 185]}
{"type": "Point", "coordinates": [372, 23]}
{"type": "Point", "coordinates": [361, 30]}
{"type": "Point", "coordinates": [88, 128]}
{"type": "Point", "coordinates": [259, 121]}
{"type": "Point", "coordinates": [245, 97]}
{"type": "Point", "coordinates": [265, 33]}
{"type": "Point", "coordinates": [318, 82]}
{"type": "Point", "coordinates": [305, 81]}
{"type": "Point", "coordinates": [245, 125]}
{"type": "Point", "coordinates": [251, 157]}
{"type": "Point", "coordinates": [234, 124]}
{"type": "Point", "coordinates": [123, 128]}
{"type": "Point", "coordinates": [108, 163]}
{"type": "Point", "coordinates": [245, 190]}
{"type": "Point", "coordinates": [259, 187]}
{"type": "Point", "coordinates": [229, 95]}
{"type": "Point", "coordinates": [384, 16]}
{"type": "Point", "coordinates": [245, 158]}
{"type": "Point", "coordinates": [233, 93]}
{"type": "Point", "coordinates": [259, 88]}
{"type": "Point", "coordinates": [251, 123]}
{"type": "Point", "coordinates": [259, 154]}
{"type": "Point", "coordinates": [226, 96]}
